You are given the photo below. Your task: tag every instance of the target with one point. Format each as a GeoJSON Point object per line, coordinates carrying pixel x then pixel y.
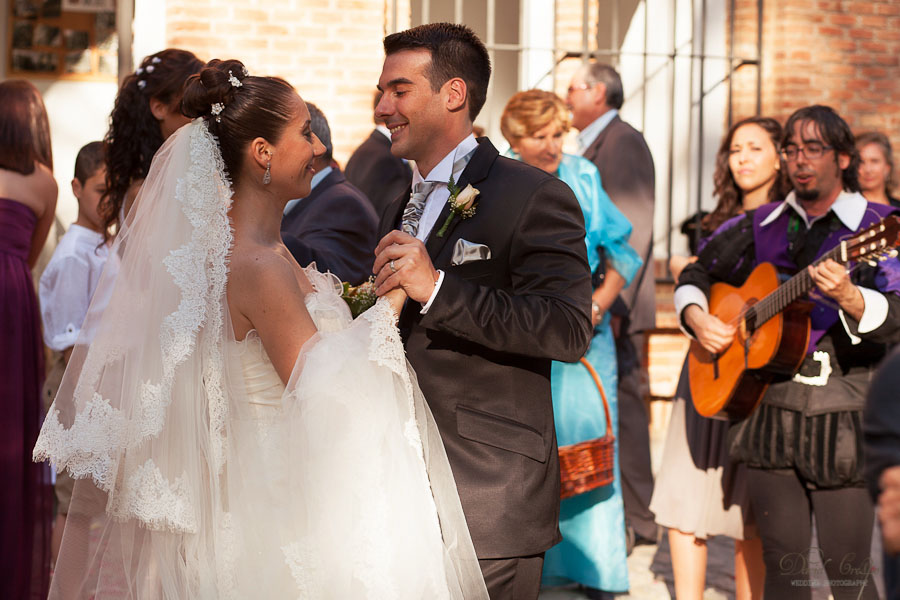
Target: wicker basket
{"type": "Point", "coordinates": [589, 464]}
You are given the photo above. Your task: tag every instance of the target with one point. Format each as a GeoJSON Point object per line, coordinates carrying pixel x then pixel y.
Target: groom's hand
{"type": "Point", "coordinates": [412, 268]}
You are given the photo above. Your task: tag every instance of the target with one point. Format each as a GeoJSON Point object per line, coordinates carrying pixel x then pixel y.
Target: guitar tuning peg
{"type": "Point", "coordinates": [893, 253]}
{"type": "Point", "coordinates": [872, 263]}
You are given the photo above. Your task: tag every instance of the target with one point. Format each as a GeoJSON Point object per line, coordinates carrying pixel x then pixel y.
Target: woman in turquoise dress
{"type": "Point", "coordinates": [592, 552]}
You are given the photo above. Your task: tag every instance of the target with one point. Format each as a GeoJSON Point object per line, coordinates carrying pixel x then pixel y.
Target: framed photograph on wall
{"type": "Point", "coordinates": [65, 39]}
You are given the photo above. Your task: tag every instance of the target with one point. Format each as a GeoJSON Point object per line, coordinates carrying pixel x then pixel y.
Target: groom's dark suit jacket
{"type": "Point", "coordinates": [482, 353]}
{"type": "Point", "coordinates": [335, 227]}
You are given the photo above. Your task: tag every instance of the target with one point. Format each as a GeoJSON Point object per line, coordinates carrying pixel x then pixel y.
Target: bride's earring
{"type": "Point", "coordinates": [267, 178]}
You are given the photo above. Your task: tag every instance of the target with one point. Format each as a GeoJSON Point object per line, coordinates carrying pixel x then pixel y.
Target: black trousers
{"type": "Point", "coordinates": [634, 435]}
{"type": "Point", "coordinates": [513, 578]}
{"type": "Point", "coordinates": [783, 507]}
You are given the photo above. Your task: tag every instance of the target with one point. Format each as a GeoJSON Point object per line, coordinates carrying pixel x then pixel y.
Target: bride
{"type": "Point", "coordinates": [232, 431]}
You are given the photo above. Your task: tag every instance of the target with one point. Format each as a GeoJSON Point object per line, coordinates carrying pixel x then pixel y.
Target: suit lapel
{"type": "Point", "coordinates": [594, 149]}
{"type": "Point", "coordinates": [475, 172]}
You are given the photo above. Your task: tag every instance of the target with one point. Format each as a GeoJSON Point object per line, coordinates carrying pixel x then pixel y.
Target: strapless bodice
{"type": "Point", "coordinates": [17, 223]}
{"type": "Point", "coordinates": [261, 380]}
{"type": "Point", "coordinates": [328, 311]}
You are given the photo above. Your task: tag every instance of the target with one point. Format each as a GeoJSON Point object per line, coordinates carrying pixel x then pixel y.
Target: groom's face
{"type": "Point", "coordinates": [410, 109]}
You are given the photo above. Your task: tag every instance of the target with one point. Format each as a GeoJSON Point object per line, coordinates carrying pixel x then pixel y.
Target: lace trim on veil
{"type": "Point", "coordinates": [100, 433]}
{"type": "Point", "coordinates": [387, 350]}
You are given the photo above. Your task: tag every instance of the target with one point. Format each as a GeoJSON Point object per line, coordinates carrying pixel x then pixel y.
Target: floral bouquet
{"type": "Point", "coordinates": [359, 298]}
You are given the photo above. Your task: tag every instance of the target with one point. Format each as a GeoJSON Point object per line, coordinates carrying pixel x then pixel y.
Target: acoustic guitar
{"type": "Point", "coordinates": [772, 327]}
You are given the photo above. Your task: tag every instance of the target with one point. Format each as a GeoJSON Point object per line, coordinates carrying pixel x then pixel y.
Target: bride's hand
{"type": "Point", "coordinates": [397, 297]}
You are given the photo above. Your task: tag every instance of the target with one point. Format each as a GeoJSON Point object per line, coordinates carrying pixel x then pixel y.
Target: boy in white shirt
{"type": "Point", "coordinates": [67, 285]}
{"type": "Point", "coordinates": [70, 278]}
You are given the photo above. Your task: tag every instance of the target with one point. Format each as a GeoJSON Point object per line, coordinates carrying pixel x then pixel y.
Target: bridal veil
{"type": "Point", "coordinates": [187, 487]}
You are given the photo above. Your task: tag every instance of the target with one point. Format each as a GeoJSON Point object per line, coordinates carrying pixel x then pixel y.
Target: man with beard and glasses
{"type": "Point", "coordinates": [803, 444]}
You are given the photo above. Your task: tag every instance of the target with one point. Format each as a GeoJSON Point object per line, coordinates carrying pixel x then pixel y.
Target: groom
{"type": "Point", "coordinates": [493, 298]}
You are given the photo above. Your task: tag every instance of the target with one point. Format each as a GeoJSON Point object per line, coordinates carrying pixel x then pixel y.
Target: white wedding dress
{"type": "Point", "coordinates": [200, 475]}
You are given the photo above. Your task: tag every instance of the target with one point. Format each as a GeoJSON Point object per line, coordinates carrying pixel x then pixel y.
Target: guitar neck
{"type": "Point", "coordinates": [791, 290]}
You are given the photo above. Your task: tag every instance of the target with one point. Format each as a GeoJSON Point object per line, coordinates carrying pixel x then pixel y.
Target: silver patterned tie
{"type": "Point", "coordinates": [413, 211]}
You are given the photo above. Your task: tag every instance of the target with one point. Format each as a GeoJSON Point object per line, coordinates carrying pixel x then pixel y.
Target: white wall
{"type": "Point", "coordinates": [79, 113]}
{"type": "Point", "coordinates": [149, 29]}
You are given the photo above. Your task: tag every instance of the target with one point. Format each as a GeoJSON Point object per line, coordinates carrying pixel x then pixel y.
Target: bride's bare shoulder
{"type": "Point", "coordinates": [254, 267]}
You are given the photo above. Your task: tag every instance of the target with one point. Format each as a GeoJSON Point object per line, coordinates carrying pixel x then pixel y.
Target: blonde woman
{"type": "Point", "coordinates": [592, 552]}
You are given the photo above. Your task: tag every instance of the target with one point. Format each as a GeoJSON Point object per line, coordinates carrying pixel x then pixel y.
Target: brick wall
{"type": "Point", "coordinates": [842, 53]}
{"type": "Point", "coordinates": [329, 50]}
{"type": "Point", "coordinates": [570, 16]}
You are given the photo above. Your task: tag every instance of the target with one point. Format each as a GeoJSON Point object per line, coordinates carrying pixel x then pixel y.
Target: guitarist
{"type": "Point", "coordinates": [803, 444]}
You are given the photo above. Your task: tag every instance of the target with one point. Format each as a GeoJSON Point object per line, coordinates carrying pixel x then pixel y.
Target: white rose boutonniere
{"type": "Point", "coordinates": [462, 204]}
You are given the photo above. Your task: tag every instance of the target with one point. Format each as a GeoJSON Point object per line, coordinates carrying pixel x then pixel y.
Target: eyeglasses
{"type": "Point", "coordinates": [812, 151]}
{"type": "Point", "coordinates": [573, 88]}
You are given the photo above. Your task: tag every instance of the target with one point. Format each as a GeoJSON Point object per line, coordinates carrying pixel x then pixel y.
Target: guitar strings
{"type": "Point", "coordinates": [796, 277]}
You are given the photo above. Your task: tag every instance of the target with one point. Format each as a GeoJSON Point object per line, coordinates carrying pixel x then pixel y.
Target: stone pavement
{"type": "Point", "coordinates": [650, 574]}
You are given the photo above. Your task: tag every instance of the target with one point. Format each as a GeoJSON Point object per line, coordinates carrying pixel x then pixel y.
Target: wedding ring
{"type": "Point", "coordinates": [393, 268]}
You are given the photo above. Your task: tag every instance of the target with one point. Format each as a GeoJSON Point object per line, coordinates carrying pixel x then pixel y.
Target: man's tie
{"type": "Point", "coordinates": [416, 205]}
{"type": "Point", "coordinates": [413, 211]}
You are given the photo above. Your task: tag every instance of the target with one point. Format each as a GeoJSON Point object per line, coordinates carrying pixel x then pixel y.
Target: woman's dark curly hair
{"type": "Point", "coordinates": [134, 134]}
{"type": "Point", "coordinates": [259, 107]}
{"type": "Point", "coordinates": [727, 191]}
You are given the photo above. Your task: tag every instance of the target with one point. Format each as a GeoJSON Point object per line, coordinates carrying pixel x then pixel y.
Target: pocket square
{"type": "Point", "coordinates": [465, 252]}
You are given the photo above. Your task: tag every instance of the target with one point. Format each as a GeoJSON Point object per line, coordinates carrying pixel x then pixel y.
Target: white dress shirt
{"type": "Point", "coordinates": [68, 283]}
{"type": "Point", "coordinates": [439, 196]}
{"type": "Point", "coordinates": [587, 135]}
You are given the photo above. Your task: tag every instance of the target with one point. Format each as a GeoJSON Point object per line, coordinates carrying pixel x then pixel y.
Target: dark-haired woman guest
{"type": "Point", "coordinates": [699, 493]}
{"type": "Point", "coordinates": [876, 167]}
{"type": "Point", "coordinates": [27, 206]}
{"type": "Point", "coordinates": [146, 112]}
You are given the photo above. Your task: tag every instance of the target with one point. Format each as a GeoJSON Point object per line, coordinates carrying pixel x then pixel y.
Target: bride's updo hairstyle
{"type": "Point", "coordinates": [239, 108]}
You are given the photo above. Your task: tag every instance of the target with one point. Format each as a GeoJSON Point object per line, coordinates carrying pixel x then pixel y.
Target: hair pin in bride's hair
{"type": "Point", "coordinates": [216, 110]}
{"type": "Point", "coordinates": [234, 81]}
{"type": "Point", "coordinates": [246, 72]}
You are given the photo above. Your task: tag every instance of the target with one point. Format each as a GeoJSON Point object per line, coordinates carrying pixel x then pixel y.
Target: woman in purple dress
{"type": "Point", "coordinates": [27, 206]}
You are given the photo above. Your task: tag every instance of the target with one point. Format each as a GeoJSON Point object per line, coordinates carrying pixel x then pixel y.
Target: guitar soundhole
{"type": "Point", "coordinates": [748, 324]}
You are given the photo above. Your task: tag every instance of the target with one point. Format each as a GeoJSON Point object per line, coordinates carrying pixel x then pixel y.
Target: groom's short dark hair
{"type": "Point", "coordinates": [455, 52]}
